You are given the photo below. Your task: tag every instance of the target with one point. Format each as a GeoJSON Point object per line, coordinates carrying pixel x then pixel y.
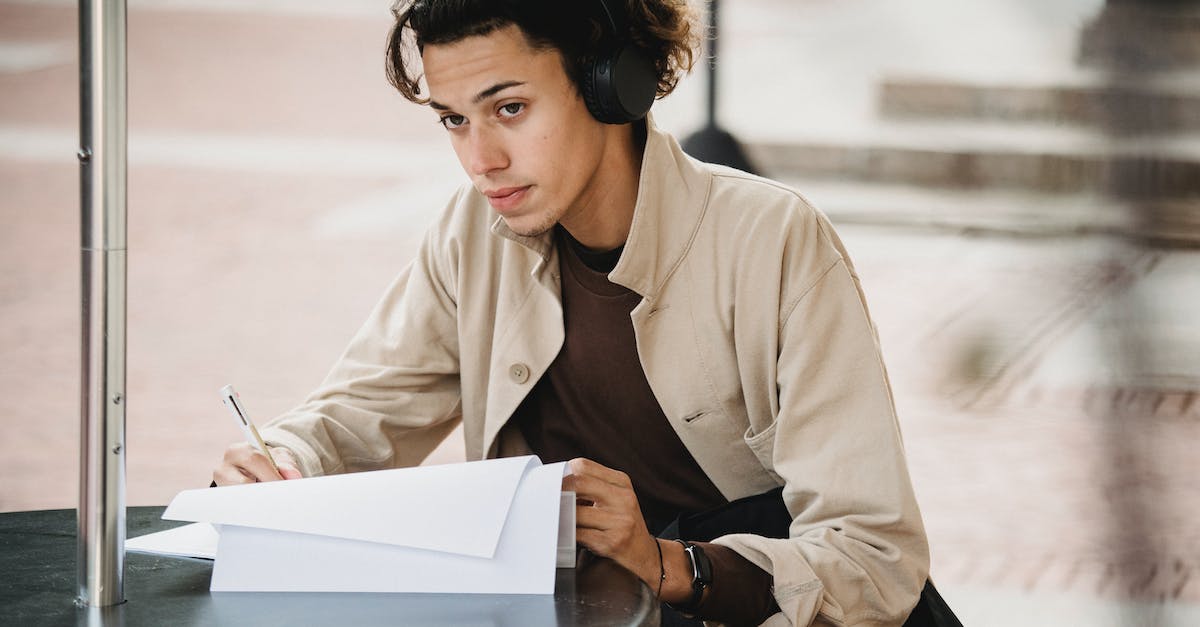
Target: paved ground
{"type": "Point", "coordinates": [277, 185]}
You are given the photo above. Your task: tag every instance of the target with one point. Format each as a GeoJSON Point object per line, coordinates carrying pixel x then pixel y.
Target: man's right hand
{"type": "Point", "coordinates": [245, 464]}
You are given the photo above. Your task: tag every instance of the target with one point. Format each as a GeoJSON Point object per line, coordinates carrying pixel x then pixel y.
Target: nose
{"type": "Point", "coordinates": [484, 152]}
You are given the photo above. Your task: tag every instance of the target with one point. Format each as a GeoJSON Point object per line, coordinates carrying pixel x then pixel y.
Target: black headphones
{"type": "Point", "coordinates": [618, 84]}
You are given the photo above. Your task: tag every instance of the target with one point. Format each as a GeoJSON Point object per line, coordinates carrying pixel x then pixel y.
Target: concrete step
{"type": "Point", "coordinates": [1163, 105]}
{"type": "Point", "coordinates": [1161, 223]}
{"type": "Point", "coordinates": [968, 155]}
{"type": "Point", "coordinates": [1145, 36]}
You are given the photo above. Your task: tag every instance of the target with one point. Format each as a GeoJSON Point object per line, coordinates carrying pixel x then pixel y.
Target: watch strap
{"type": "Point", "coordinates": [701, 573]}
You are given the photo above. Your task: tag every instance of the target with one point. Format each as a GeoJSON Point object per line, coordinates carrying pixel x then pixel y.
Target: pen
{"type": "Point", "coordinates": [234, 403]}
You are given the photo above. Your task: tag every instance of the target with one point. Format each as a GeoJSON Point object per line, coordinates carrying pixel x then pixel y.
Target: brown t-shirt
{"type": "Point", "coordinates": [594, 402]}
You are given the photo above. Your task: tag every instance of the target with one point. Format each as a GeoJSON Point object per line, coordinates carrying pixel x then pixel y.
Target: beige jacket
{"type": "Point", "coordinates": [753, 334]}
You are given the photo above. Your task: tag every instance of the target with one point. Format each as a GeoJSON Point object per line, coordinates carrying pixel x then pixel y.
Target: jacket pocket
{"type": "Point", "coordinates": [762, 444]}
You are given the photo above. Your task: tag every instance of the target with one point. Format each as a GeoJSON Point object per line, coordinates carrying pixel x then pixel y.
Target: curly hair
{"type": "Point", "coordinates": [666, 31]}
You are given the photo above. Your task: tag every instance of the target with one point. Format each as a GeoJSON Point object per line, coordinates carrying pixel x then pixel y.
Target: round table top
{"type": "Point", "coordinates": [39, 584]}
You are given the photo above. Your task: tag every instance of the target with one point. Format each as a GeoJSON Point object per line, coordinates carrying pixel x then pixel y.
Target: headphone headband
{"type": "Point", "coordinates": [612, 19]}
{"type": "Point", "coordinates": [619, 85]}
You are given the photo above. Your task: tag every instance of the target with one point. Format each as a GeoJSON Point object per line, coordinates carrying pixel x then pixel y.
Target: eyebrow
{"type": "Point", "coordinates": [481, 96]}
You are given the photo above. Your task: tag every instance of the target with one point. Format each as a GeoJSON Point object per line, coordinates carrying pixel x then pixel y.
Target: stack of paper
{"type": "Point", "coordinates": [491, 526]}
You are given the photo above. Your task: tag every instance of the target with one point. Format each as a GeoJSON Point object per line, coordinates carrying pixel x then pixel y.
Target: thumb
{"type": "Point", "coordinates": [288, 468]}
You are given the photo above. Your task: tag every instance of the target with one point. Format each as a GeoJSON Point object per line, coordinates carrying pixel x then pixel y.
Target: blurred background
{"type": "Point", "coordinates": [1018, 182]}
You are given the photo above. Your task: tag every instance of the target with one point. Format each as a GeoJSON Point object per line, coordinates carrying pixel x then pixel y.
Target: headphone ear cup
{"type": "Point", "coordinates": [590, 91]}
{"type": "Point", "coordinates": [619, 88]}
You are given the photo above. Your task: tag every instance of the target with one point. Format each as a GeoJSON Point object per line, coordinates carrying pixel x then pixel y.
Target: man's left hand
{"type": "Point", "coordinates": [608, 520]}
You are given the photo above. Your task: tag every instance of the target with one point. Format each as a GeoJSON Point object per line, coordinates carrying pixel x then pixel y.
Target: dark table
{"type": "Point", "coordinates": [38, 587]}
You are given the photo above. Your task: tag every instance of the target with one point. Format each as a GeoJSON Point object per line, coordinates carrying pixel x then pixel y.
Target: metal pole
{"type": "Point", "coordinates": [102, 158]}
{"type": "Point", "coordinates": [711, 39]}
{"type": "Point", "coordinates": [713, 143]}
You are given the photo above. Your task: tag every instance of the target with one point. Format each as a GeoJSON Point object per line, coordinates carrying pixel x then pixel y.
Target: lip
{"type": "Point", "coordinates": [506, 198]}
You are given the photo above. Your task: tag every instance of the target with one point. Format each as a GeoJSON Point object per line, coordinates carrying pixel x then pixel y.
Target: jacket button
{"type": "Point", "coordinates": [519, 372]}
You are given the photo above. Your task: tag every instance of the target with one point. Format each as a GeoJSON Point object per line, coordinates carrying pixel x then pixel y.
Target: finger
{"type": "Point", "coordinates": [237, 451]}
{"type": "Point", "coordinates": [609, 545]}
{"type": "Point", "coordinates": [283, 455]}
{"type": "Point", "coordinates": [261, 468]}
{"type": "Point", "coordinates": [595, 541]}
{"type": "Point", "coordinates": [227, 474]}
{"type": "Point", "coordinates": [286, 463]}
{"type": "Point", "coordinates": [599, 519]}
{"type": "Point", "coordinates": [252, 462]}
{"type": "Point", "coordinates": [584, 485]}
{"type": "Point", "coordinates": [583, 466]}
{"type": "Point", "coordinates": [600, 492]}
{"type": "Point", "coordinates": [290, 472]}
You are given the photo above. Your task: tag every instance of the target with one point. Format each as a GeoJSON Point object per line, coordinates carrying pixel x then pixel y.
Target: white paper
{"type": "Point", "coordinates": [493, 526]}
{"type": "Point", "coordinates": [459, 508]}
{"type": "Point", "coordinates": [524, 561]}
{"type": "Point", "coordinates": [194, 540]}
{"type": "Point", "coordinates": [566, 530]}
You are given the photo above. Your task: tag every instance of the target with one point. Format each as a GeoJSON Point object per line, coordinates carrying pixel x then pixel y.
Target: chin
{"type": "Point", "coordinates": [531, 226]}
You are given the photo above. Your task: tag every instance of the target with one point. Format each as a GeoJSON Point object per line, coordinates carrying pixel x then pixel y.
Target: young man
{"type": "Point", "coordinates": [687, 335]}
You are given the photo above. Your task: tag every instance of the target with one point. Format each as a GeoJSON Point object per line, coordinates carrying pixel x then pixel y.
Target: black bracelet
{"type": "Point", "coordinates": [662, 573]}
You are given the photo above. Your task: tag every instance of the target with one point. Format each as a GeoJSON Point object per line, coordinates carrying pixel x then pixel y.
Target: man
{"type": "Point", "coordinates": [687, 335]}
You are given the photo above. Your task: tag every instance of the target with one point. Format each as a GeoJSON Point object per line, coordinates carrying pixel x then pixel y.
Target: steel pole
{"type": "Point", "coordinates": [102, 158]}
{"type": "Point", "coordinates": [714, 7]}
{"type": "Point", "coordinates": [712, 143]}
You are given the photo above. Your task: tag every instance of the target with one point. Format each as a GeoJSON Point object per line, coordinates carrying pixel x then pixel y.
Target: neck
{"type": "Point", "coordinates": [606, 211]}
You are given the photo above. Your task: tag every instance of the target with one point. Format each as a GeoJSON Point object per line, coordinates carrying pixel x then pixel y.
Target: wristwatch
{"type": "Point", "coordinates": [701, 573]}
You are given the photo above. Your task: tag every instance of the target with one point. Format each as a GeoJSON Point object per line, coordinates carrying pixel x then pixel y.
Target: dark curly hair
{"type": "Point", "coordinates": [665, 31]}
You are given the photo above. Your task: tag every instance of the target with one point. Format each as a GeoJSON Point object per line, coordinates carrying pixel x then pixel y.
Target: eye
{"type": "Point", "coordinates": [452, 121]}
{"type": "Point", "coordinates": [512, 109]}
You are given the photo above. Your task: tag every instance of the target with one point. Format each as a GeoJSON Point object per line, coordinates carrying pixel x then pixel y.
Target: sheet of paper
{"type": "Point", "coordinates": [261, 559]}
{"type": "Point", "coordinates": [458, 508]}
{"type": "Point", "coordinates": [194, 540]}
{"type": "Point", "coordinates": [199, 540]}
{"type": "Point", "coordinates": [566, 530]}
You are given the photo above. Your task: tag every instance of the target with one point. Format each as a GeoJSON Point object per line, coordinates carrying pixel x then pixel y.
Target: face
{"type": "Point", "coordinates": [519, 127]}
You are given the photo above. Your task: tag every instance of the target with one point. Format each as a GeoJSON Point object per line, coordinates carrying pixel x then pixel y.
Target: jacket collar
{"type": "Point", "coordinates": [672, 197]}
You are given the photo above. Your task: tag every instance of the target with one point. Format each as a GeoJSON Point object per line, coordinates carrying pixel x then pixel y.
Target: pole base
{"type": "Point", "coordinates": [712, 144]}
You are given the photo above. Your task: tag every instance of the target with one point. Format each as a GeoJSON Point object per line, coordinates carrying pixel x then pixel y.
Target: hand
{"type": "Point", "coordinates": [245, 464]}
{"type": "Point", "coordinates": [608, 520]}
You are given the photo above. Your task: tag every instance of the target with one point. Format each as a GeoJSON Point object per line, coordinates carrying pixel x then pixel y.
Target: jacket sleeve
{"type": "Point", "coordinates": [856, 552]}
{"type": "Point", "coordinates": [394, 394]}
